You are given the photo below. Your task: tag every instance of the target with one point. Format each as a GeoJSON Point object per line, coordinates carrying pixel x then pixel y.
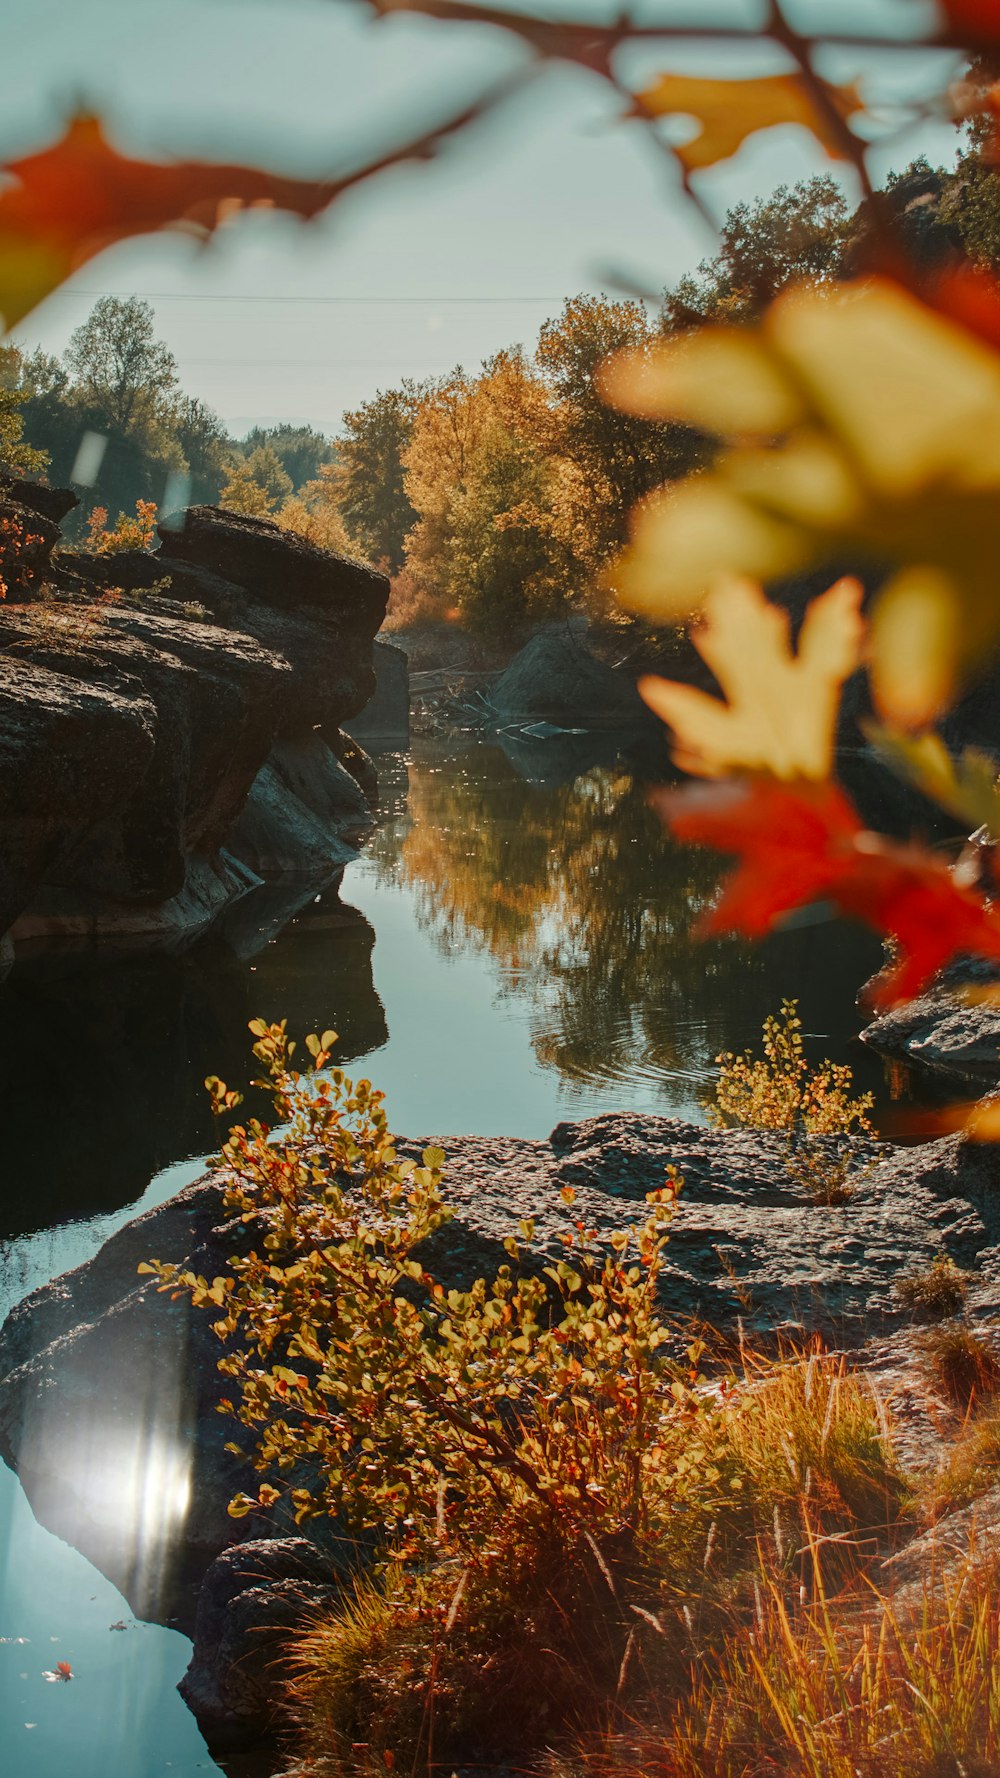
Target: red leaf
{"type": "Point", "coordinates": [978, 19]}
{"type": "Point", "coordinates": [64, 1670]}
{"type": "Point", "coordinates": [69, 201]}
{"type": "Point", "coordinates": [803, 843]}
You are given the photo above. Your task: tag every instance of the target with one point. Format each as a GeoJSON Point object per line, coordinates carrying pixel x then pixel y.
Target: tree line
{"type": "Point", "coordinates": [495, 497]}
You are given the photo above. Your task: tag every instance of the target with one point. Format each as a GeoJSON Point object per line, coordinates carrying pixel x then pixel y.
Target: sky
{"type": "Point", "coordinates": [429, 266]}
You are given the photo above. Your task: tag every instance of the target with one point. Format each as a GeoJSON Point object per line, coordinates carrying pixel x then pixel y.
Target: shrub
{"type": "Point", "coordinates": [778, 1091]}
{"type": "Point", "coordinates": [126, 533]}
{"type": "Point", "coordinates": [552, 1494]}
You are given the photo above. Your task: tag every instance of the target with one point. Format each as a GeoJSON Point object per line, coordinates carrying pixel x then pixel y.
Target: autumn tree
{"type": "Point", "coordinates": [495, 534]}
{"type": "Point", "coordinates": [314, 512]}
{"type": "Point", "coordinates": [618, 457]}
{"type": "Point", "coordinates": [374, 501]}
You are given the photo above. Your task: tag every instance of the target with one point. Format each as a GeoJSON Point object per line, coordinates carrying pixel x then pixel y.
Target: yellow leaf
{"type": "Point", "coordinates": [781, 708]}
{"type": "Point", "coordinates": [685, 538]}
{"type": "Point", "coordinates": [720, 379]}
{"type": "Point", "coordinates": [731, 110]}
{"type": "Point", "coordinates": [878, 441]}
{"type": "Point", "coordinates": [966, 787]}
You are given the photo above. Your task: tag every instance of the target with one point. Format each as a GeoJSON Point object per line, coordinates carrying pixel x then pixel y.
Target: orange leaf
{"type": "Point", "coordinates": [804, 843]}
{"type": "Point", "coordinates": [64, 1670]}
{"type": "Point", "coordinates": [731, 110]}
{"type": "Point", "coordinates": [68, 202]}
{"type": "Point", "coordinates": [781, 708]}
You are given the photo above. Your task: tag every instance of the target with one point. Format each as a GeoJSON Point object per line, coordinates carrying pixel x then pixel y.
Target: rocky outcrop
{"type": "Point", "coordinates": [160, 719]}
{"type": "Point", "coordinates": [100, 1362]}
{"type": "Point", "coordinates": [557, 678]}
{"type": "Point", "coordinates": [254, 1600]}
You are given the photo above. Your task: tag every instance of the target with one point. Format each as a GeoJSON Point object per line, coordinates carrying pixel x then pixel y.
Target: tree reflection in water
{"type": "Point", "coordinates": [587, 907]}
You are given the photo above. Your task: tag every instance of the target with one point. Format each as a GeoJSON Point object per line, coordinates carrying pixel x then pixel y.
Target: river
{"type": "Point", "coordinates": [513, 948]}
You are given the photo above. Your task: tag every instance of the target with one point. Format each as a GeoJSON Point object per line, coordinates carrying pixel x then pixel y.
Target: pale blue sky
{"type": "Point", "coordinates": [432, 265]}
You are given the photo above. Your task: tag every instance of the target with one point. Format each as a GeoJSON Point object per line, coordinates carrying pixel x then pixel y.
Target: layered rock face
{"type": "Point", "coordinates": [170, 723]}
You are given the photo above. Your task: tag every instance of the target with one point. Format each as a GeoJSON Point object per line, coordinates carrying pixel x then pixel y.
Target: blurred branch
{"type": "Point", "coordinates": [593, 44]}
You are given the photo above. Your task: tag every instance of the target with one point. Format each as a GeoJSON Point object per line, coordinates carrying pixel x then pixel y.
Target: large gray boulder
{"type": "Point", "coordinates": [556, 677]}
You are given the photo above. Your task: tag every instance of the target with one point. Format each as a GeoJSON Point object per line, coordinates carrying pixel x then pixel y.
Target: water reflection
{"type": "Point", "coordinates": [570, 886]}
{"type": "Point", "coordinates": [109, 1058]}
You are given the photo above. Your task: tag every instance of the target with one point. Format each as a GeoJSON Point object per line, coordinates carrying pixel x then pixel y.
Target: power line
{"type": "Point", "coordinates": [182, 296]}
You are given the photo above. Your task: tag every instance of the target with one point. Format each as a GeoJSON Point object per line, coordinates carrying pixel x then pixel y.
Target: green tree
{"type": "Point", "coordinates": [120, 368]}
{"type": "Point", "coordinates": [371, 477]}
{"type": "Point", "coordinates": [257, 485]}
{"type": "Point", "coordinates": [16, 454]}
{"type": "Point", "coordinates": [799, 232]}
{"type": "Point", "coordinates": [300, 450]}
{"type": "Point", "coordinates": [206, 447]}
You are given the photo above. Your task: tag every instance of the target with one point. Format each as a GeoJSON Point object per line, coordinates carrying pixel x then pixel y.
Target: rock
{"type": "Point", "coordinates": [943, 1032]}
{"type": "Point", "coordinates": [212, 884]}
{"type": "Point", "coordinates": [253, 1600]}
{"type": "Point", "coordinates": [323, 784]}
{"type": "Point", "coordinates": [100, 1369]}
{"type": "Point", "coordinates": [216, 697]}
{"type": "Point", "coordinates": [932, 1565]}
{"type": "Point", "coordinates": [387, 716]}
{"type": "Point", "coordinates": [277, 566]}
{"type": "Point", "coordinates": [71, 755]}
{"type": "Point", "coordinates": [557, 677]}
{"type": "Point", "coordinates": [212, 690]}
{"type": "Point", "coordinates": [51, 503]}
{"type": "Point", "coordinates": [940, 1033]}
{"type": "Point", "coordinates": [355, 760]}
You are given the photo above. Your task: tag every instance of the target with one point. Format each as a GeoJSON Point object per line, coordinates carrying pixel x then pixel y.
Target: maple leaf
{"type": "Point", "coordinates": [865, 423]}
{"type": "Point", "coordinates": [728, 111]}
{"type": "Point", "coordinates": [64, 204]}
{"type": "Point", "coordinates": [781, 708]}
{"type": "Point", "coordinates": [60, 207]}
{"type": "Point", "coordinates": [804, 843]}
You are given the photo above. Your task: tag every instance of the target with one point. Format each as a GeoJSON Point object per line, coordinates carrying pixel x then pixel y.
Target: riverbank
{"type": "Point", "coordinates": [100, 1361]}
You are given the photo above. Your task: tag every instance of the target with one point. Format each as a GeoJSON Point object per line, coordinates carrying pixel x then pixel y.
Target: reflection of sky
{"type": "Point", "coordinates": [120, 1716]}
{"type": "Point", "coordinates": [436, 265]}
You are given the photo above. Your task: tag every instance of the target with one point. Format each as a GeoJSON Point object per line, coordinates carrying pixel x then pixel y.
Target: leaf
{"type": "Point", "coordinates": [887, 450]}
{"type": "Point", "coordinates": [979, 19]}
{"type": "Point", "coordinates": [434, 1157]}
{"type": "Point", "coordinates": [781, 708]}
{"type": "Point", "coordinates": [66, 203]}
{"type": "Point", "coordinates": [731, 110]}
{"type": "Point", "coordinates": [966, 787]}
{"type": "Point", "coordinates": [805, 843]}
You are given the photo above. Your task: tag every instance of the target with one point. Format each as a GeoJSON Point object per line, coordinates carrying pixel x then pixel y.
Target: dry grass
{"type": "Point", "coordinates": [830, 1687]}
{"type": "Point", "coordinates": [964, 1363]}
{"type": "Point", "coordinates": [533, 1643]}
{"type": "Point", "coordinates": [936, 1292]}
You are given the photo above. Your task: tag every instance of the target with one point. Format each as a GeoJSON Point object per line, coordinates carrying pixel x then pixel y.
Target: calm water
{"type": "Point", "coordinates": [513, 949]}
